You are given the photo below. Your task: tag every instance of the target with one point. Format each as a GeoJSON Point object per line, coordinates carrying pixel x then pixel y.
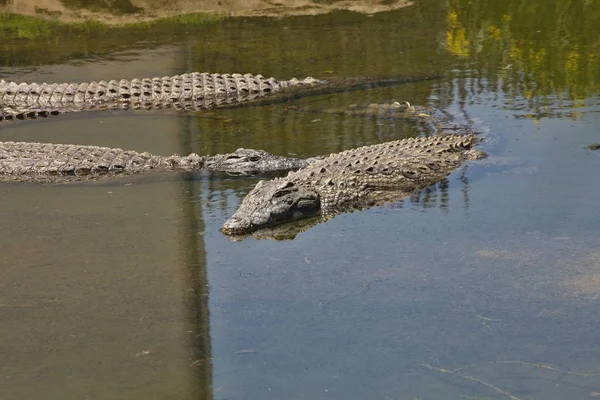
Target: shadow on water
{"type": "Point", "coordinates": [197, 290]}
{"type": "Point", "coordinates": [484, 286]}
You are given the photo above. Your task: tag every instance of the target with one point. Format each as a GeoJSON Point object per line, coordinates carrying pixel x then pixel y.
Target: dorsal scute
{"type": "Point", "coordinates": [345, 173]}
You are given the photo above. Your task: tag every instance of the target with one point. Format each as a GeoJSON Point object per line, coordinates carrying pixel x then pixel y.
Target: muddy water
{"type": "Point", "coordinates": [486, 286]}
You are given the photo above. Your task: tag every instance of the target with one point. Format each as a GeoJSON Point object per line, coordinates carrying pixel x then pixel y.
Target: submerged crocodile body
{"type": "Point", "coordinates": [187, 91]}
{"type": "Point", "coordinates": [434, 120]}
{"type": "Point", "coordinates": [351, 180]}
{"type": "Point", "coordinates": [392, 110]}
{"type": "Point", "coordinates": [59, 163]}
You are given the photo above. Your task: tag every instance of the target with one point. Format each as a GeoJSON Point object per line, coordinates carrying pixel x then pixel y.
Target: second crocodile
{"type": "Point", "coordinates": [59, 163]}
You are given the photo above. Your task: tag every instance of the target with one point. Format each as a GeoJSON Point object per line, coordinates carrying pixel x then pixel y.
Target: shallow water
{"type": "Point", "coordinates": [484, 287]}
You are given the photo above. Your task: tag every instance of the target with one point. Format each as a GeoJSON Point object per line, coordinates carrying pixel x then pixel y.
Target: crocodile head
{"type": "Point", "coordinates": [272, 203]}
{"type": "Point", "coordinates": [252, 162]}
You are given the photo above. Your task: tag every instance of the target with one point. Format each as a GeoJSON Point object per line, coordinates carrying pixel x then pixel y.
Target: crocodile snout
{"type": "Point", "coordinates": [236, 226]}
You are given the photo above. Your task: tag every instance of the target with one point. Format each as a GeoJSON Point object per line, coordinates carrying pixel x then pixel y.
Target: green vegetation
{"type": "Point", "coordinates": [16, 27]}
{"type": "Point", "coordinates": [181, 21]}
{"type": "Point", "coordinates": [13, 26]}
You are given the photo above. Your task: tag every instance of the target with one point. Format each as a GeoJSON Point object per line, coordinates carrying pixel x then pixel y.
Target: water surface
{"type": "Point", "coordinates": [126, 289]}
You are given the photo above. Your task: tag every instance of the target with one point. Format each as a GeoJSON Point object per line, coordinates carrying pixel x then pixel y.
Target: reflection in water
{"type": "Point", "coordinates": [464, 179]}
{"type": "Point", "coordinates": [545, 52]}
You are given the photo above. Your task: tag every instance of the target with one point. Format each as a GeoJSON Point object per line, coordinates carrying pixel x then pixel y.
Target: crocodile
{"type": "Point", "coordinates": [197, 90]}
{"type": "Point", "coordinates": [352, 180]}
{"type": "Point", "coordinates": [187, 92]}
{"type": "Point", "coordinates": [60, 163]}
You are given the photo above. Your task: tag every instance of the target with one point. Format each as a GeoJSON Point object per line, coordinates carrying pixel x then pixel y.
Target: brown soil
{"type": "Point", "coordinates": [147, 10]}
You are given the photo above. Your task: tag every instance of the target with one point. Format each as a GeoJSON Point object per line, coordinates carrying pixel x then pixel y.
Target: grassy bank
{"type": "Point", "coordinates": [14, 26]}
{"type": "Point", "coordinates": [33, 41]}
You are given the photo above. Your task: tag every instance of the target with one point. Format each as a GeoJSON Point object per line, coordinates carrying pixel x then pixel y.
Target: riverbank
{"type": "Point", "coordinates": [134, 11]}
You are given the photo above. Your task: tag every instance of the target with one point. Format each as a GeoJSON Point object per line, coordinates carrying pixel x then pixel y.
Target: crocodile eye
{"type": "Point", "coordinates": [254, 158]}
{"type": "Point", "coordinates": [233, 157]}
{"type": "Point", "coordinates": [282, 192]}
